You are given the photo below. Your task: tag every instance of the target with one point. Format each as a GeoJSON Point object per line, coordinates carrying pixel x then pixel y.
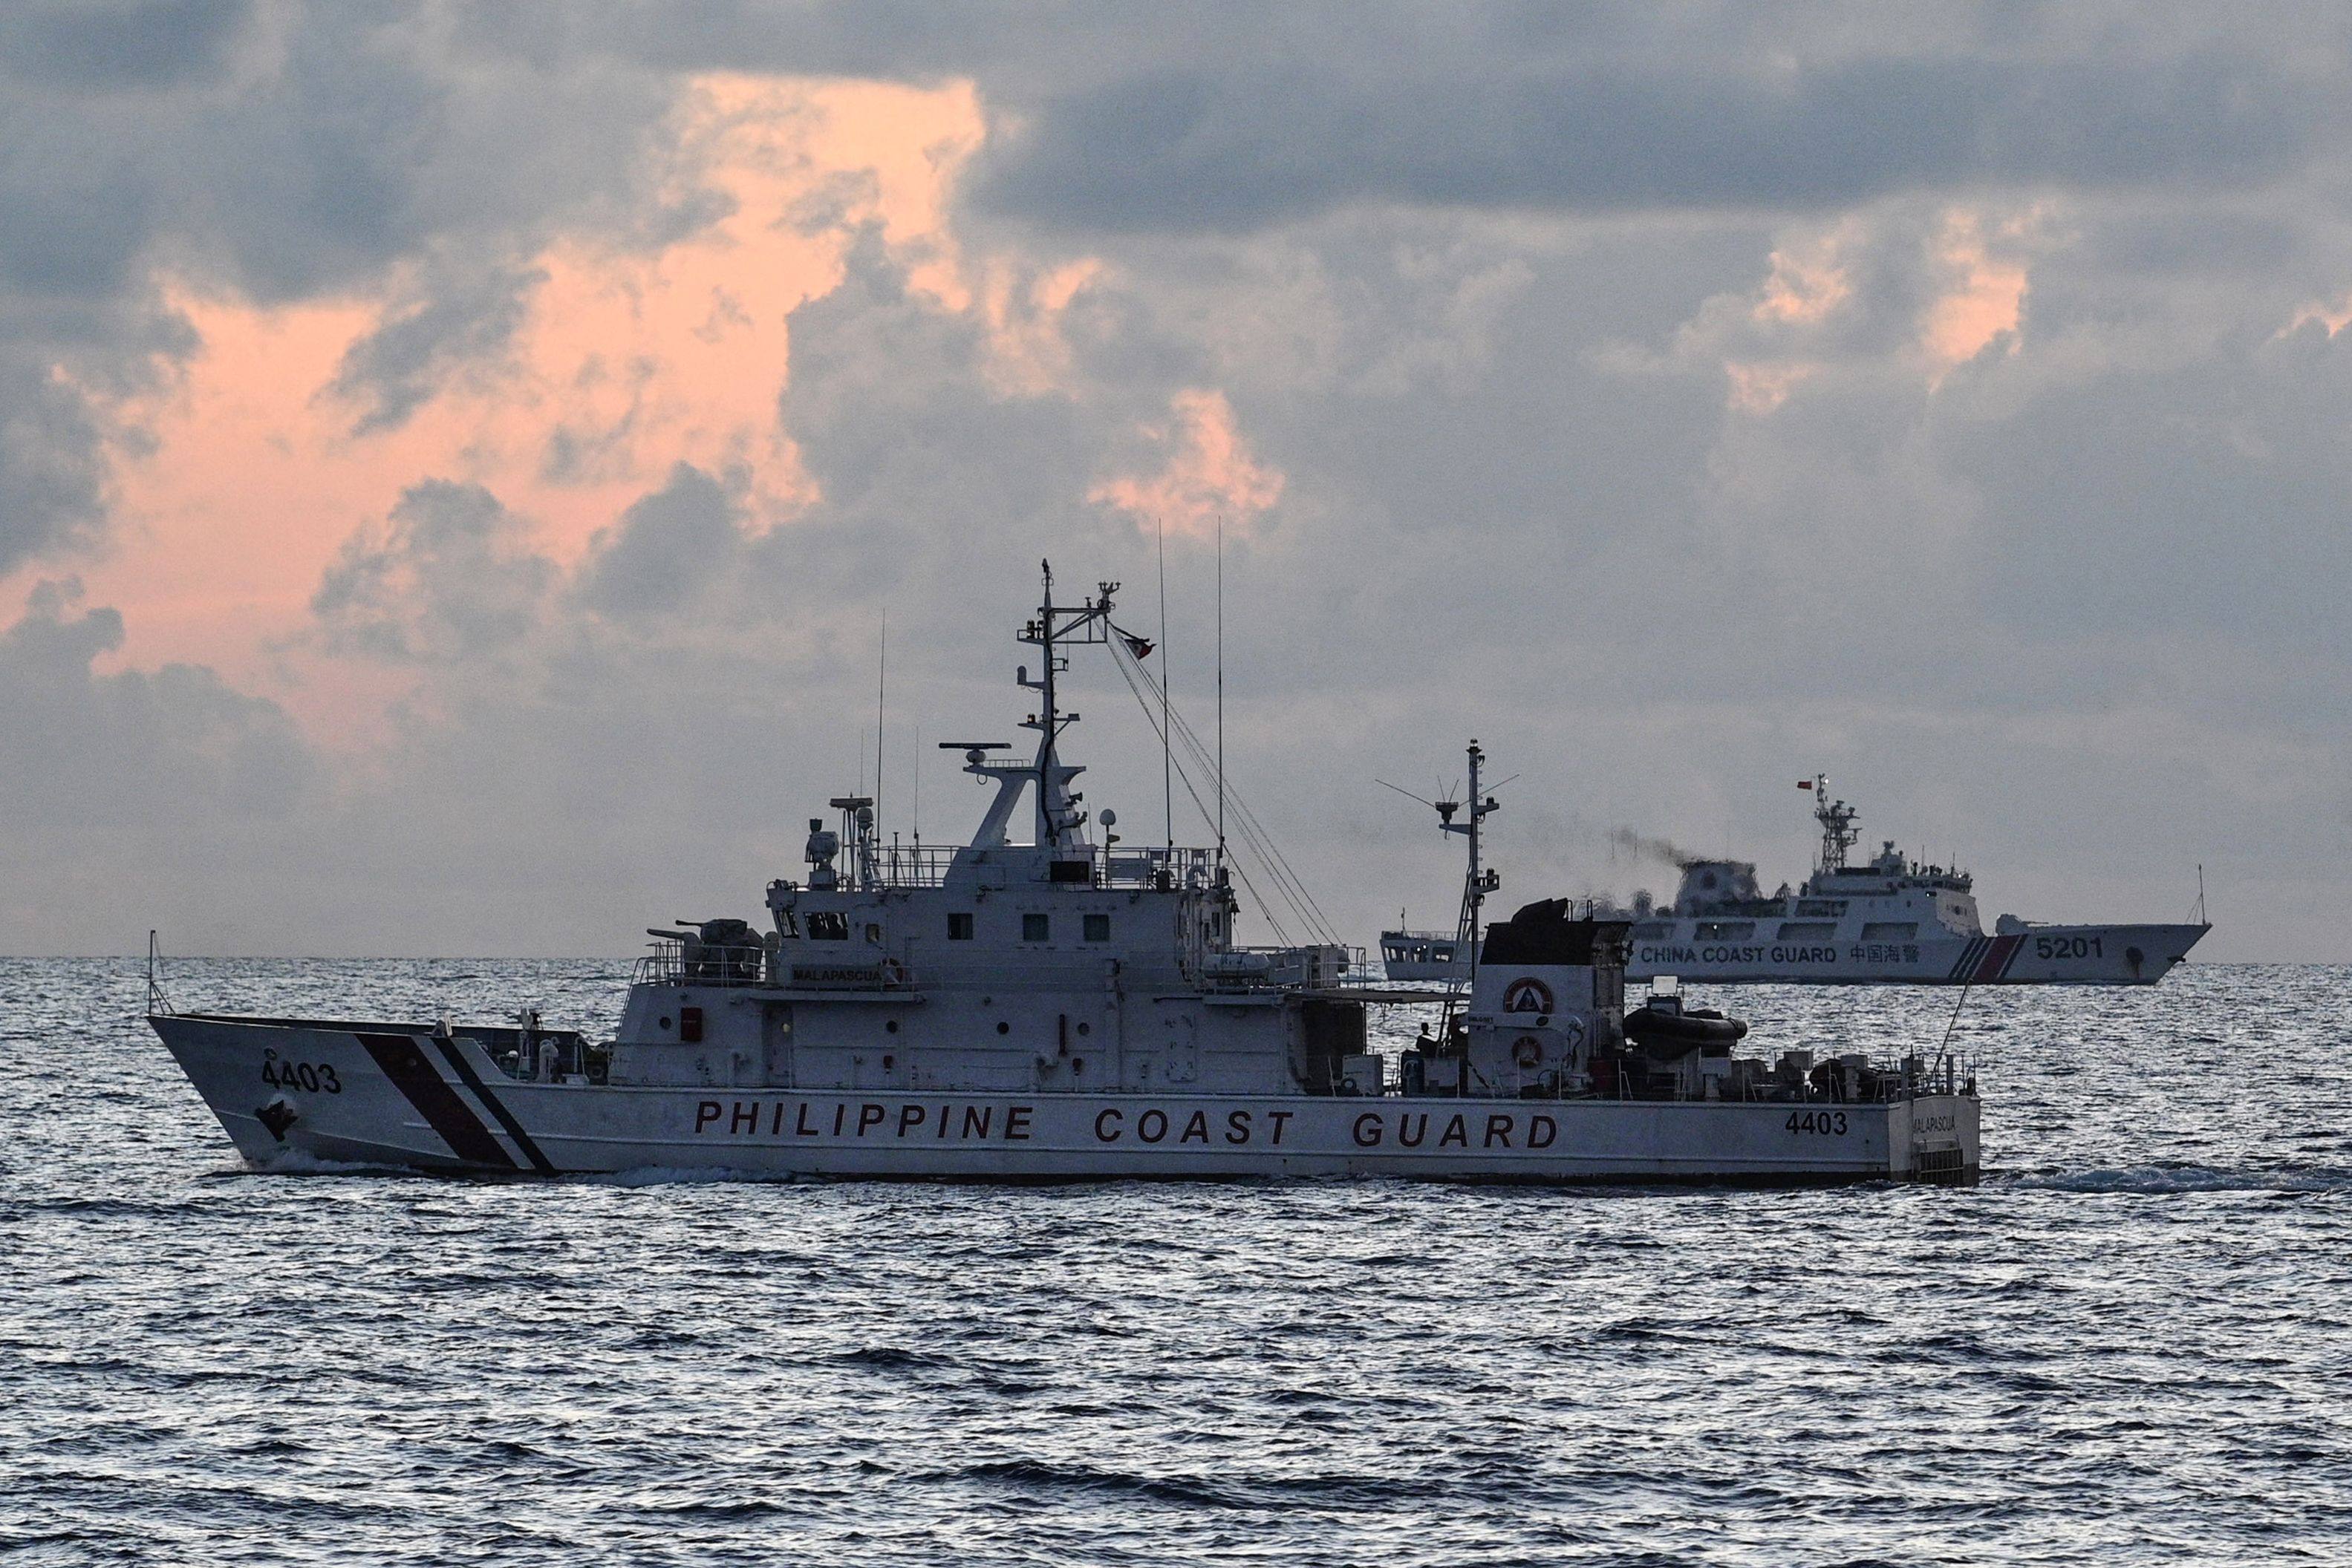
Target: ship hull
{"type": "Point", "coordinates": [2040, 955]}
{"type": "Point", "coordinates": [291, 1094]}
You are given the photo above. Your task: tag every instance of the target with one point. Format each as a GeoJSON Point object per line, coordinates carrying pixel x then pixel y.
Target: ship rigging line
{"type": "Point", "coordinates": [1248, 886]}
{"type": "Point", "coordinates": [1265, 905]}
{"type": "Point", "coordinates": [1252, 831]}
{"type": "Point", "coordinates": [1261, 842]}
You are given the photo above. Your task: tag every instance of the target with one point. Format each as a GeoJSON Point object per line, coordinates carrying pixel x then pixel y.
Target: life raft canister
{"type": "Point", "coordinates": [1702, 1028]}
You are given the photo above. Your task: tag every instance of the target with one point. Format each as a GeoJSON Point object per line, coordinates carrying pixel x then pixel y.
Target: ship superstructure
{"type": "Point", "coordinates": [1063, 1006]}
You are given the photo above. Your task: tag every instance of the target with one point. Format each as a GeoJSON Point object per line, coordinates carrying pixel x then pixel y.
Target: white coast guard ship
{"type": "Point", "coordinates": [1065, 1008]}
{"type": "Point", "coordinates": [1888, 920]}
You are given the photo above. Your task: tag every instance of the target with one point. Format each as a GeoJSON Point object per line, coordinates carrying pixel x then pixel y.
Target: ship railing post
{"type": "Point", "coordinates": [158, 1004]}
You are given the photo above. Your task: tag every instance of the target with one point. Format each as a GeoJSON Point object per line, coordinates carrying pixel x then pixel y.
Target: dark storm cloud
{"type": "Point", "coordinates": [118, 44]}
{"type": "Point", "coordinates": [1242, 149]}
{"type": "Point", "coordinates": [1232, 118]}
{"type": "Point", "coordinates": [367, 142]}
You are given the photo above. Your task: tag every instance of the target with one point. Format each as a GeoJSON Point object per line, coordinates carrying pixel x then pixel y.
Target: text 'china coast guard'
{"type": "Point", "coordinates": [1041, 1002]}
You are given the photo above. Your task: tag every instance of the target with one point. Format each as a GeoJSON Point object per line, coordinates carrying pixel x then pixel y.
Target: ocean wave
{"type": "Point", "coordinates": [2168, 1179]}
{"type": "Point", "coordinates": [684, 1176]}
{"type": "Point", "coordinates": [1256, 1492]}
{"type": "Point", "coordinates": [891, 1357]}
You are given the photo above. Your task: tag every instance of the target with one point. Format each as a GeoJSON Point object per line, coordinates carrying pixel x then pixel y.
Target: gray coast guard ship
{"type": "Point", "coordinates": [1888, 921]}
{"type": "Point", "coordinates": [1067, 1008]}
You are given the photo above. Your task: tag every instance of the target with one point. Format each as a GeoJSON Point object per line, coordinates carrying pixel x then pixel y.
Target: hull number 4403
{"type": "Point", "coordinates": [1827, 1123]}
{"type": "Point", "coordinates": [319, 1078]}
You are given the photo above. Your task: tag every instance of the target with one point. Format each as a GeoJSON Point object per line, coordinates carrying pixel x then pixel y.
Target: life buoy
{"type": "Point", "coordinates": [1527, 1051]}
{"type": "Point", "coordinates": [893, 972]}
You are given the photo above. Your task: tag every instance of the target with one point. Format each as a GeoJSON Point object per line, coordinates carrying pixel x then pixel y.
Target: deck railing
{"type": "Point", "coordinates": [927, 865]}
{"type": "Point", "coordinates": [702, 963]}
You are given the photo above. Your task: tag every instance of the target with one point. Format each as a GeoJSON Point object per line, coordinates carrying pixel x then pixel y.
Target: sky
{"type": "Point", "coordinates": [460, 464]}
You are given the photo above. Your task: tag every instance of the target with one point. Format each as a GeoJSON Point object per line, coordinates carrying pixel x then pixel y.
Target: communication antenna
{"type": "Point", "coordinates": [881, 690]}
{"type": "Point", "coordinates": [1167, 679]}
{"type": "Point", "coordinates": [1221, 688]}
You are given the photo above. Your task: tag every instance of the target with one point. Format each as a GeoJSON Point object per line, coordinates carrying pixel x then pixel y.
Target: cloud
{"type": "Point", "coordinates": [114, 44]}
{"type": "Point", "coordinates": [1984, 301]}
{"type": "Point", "coordinates": [450, 579]}
{"type": "Point", "coordinates": [52, 463]}
{"type": "Point", "coordinates": [467, 325]}
{"type": "Point", "coordinates": [1208, 478]}
{"type": "Point", "coordinates": [459, 397]}
{"type": "Point", "coordinates": [1476, 123]}
{"type": "Point", "coordinates": [668, 548]}
{"type": "Point", "coordinates": [132, 749]}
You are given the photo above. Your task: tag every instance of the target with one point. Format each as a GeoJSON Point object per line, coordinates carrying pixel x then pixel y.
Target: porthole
{"type": "Point", "coordinates": [1003, 1027]}
{"type": "Point", "coordinates": [664, 1020]}
{"type": "Point", "coordinates": [1084, 1028]}
{"type": "Point", "coordinates": [888, 1062]}
{"type": "Point", "coordinates": [891, 1027]}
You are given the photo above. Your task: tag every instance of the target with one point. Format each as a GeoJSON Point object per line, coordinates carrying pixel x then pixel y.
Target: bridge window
{"type": "Point", "coordinates": [960, 925]}
{"type": "Point", "coordinates": [828, 925]}
{"type": "Point", "coordinates": [1098, 927]}
{"type": "Point", "coordinates": [1035, 927]}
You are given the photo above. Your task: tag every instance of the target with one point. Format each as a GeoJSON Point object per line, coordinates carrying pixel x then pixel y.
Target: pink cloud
{"type": "Point", "coordinates": [1209, 474]}
{"type": "Point", "coordinates": [1983, 300]}
{"type": "Point", "coordinates": [252, 469]}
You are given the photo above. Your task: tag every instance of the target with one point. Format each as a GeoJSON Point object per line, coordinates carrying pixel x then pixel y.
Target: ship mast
{"type": "Point", "coordinates": [1836, 819]}
{"type": "Point", "coordinates": [1057, 625]}
{"type": "Point", "coordinates": [1478, 882]}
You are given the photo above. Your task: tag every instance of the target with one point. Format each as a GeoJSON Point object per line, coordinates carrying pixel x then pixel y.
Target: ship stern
{"type": "Point", "coordinates": [1940, 1146]}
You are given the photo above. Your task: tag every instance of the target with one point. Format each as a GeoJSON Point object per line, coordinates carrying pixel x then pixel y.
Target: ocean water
{"type": "Point", "coordinates": [2132, 1343]}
